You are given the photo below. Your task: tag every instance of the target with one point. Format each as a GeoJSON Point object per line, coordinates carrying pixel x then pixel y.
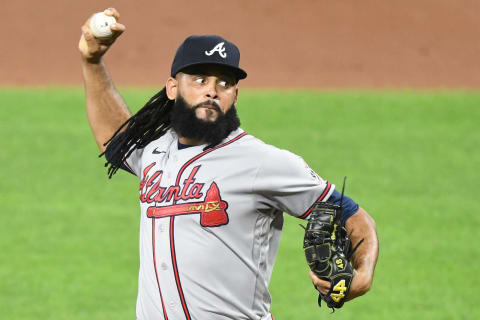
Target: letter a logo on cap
{"type": "Point", "coordinates": [218, 48]}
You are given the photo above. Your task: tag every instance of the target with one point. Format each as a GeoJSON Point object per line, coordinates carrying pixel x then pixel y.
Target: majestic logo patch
{"type": "Point", "coordinates": [220, 48]}
{"type": "Point", "coordinates": [212, 209]}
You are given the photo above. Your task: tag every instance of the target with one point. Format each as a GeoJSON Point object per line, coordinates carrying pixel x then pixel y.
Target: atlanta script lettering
{"type": "Point", "coordinates": [212, 209]}
{"type": "Point", "coordinates": [151, 191]}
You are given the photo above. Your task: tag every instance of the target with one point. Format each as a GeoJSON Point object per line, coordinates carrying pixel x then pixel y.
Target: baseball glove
{"type": "Point", "coordinates": [328, 251]}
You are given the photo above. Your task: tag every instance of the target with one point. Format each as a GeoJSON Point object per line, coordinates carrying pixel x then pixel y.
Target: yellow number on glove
{"type": "Point", "coordinates": [337, 297]}
{"type": "Point", "coordinates": [340, 288]}
{"type": "Point", "coordinates": [339, 263]}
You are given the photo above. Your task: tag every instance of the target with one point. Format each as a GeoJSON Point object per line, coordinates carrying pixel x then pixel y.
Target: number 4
{"type": "Point", "coordinates": [340, 288]}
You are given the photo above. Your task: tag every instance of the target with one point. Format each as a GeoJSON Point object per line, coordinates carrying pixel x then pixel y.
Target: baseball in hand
{"type": "Point", "coordinates": [100, 25]}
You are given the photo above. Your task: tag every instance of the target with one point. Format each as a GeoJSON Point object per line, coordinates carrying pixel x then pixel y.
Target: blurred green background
{"type": "Point", "coordinates": [69, 236]}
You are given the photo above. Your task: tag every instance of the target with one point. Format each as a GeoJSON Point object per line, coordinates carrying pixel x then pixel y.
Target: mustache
{"type": "Point", "coordinates": [212, 103]}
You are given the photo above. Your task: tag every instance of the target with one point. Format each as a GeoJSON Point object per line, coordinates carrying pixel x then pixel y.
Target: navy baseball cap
{"type": "Point", "coordinates": [207, 49]}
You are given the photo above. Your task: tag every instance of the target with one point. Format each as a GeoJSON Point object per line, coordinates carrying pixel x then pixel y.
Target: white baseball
{"type": "Point", "coordinates": [100, 25]}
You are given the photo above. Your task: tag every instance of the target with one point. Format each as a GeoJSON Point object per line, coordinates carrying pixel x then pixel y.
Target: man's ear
{"type": "Point", "coordinates": [236, 94]}
{"type": "Point", "coordinates": [172, 88]}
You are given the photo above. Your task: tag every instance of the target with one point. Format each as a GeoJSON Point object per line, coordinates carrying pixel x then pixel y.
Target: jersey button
{"type": "Point", "coordinates": [172, 305]}
{"type": "Point", "coordinates": [164, 266]}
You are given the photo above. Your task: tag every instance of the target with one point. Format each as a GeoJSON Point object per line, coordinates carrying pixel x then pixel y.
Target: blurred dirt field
{"type": "Point", "coordinates": [306, 43]}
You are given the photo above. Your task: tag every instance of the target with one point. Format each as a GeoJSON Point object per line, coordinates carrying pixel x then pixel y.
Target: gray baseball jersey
{"type": "Point", "coordinates": [211, 222]}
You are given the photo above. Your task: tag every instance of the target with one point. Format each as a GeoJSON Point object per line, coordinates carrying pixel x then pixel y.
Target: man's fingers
{"type": "Point", "coordinates": [112, 12]}
{"type": "Point", "coordinates": [103, 47]}
{"type": "Point", "coordinates": [322, 285]}
{"type": "Point", "coordinates": [117, 27]}
{"type": "Point", "coordinates": [92, 48]}
{"type": "Point", "coordinates": [117, 30]}
{"type": "Point", "coordinates": [87, 34]}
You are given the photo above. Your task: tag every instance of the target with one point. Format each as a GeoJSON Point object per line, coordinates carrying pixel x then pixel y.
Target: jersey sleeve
{"type": "Point", "coordinates": [349, 206]}
{"type": "Point", "coordinates": [285, 182]}
{"type": "Point", "coordinates": [131, 164]}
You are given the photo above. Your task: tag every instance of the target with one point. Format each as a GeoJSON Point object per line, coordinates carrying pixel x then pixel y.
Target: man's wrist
{"type": "Point", "coordinates": [361, 284]}
{"type": "Point", "coordinates": [92, 60]}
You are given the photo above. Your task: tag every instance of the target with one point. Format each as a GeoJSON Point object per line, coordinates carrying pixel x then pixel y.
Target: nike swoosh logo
{"type": "Point", "coordinates": [157, 152]}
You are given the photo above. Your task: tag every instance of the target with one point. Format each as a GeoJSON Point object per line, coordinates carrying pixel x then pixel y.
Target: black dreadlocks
{"type": "Point", "coordinates": [148, 124]}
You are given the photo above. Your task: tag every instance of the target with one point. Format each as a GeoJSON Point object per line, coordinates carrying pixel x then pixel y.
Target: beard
{"type": "Point", "coordinates": [184, 121]}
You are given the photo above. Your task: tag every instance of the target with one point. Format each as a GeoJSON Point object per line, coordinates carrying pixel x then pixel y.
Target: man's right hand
{"type": "Point", "coordinates": [91, 48]}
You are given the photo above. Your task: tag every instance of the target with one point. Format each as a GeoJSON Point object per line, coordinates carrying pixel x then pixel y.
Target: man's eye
{"type": "Point", "coordinates": [223, 83]}
{"type": "Point", "coordinates": [200, 80]}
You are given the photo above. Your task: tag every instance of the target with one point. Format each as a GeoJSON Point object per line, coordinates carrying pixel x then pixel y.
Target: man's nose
{"type": "Point", "coordinates": [211, 90]}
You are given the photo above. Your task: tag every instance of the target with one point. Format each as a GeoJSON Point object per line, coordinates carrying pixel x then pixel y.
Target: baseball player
{"type": "Point", "coordinates": [212, 196]}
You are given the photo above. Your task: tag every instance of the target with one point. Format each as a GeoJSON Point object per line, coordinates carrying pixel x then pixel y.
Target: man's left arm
{"type": "Point", "coordinates": [362, 226]}
{"type": "Point", "coordinates": [359, 226]}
